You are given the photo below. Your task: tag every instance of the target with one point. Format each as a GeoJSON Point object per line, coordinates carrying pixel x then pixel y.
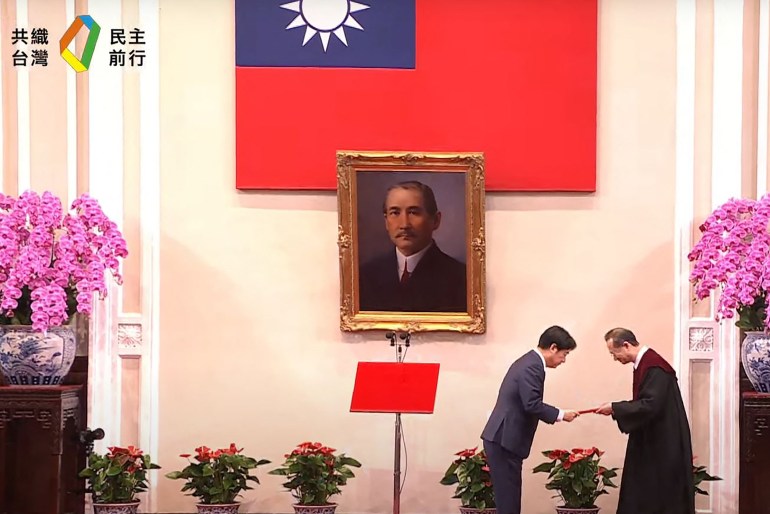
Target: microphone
{"type": "Point", "coordinates": [405, 336]}
{"type": "Point", "coordinates": [390, 335]}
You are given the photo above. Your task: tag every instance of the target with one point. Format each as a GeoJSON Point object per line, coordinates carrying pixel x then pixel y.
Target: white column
{"type": "Point", "coordinates": [72, 120]}
{"type": "Point", "coordinates": [685, 170]}
{"type": "Point", "coordinates": [702, 339]}
{"type": "Point", "coordinates": [23, 116]}
{"type": "Point", "coordinates": [762, 90]}
{"type": "Point", "coordinates": [2, 129]}
{"type": "Point", "coordinates": [725, 184]}
{"type": "Point", "coordinates": [105, 118]}
{"type": "Point", "coordinates": [149, 122]}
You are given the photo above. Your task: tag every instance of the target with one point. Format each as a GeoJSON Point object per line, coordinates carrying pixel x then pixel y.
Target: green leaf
{"type": "Point", "coordinates": [349, 461]}
{"type": "Point", "coordinates": [545, 467]}
{"type": "Point", "coordinates": [449, 480]}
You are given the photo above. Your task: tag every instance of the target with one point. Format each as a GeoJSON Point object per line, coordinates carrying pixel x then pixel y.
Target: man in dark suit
{"type": "Point", "coordinates": [511, 427]}
{"type": "Point", "coordinates": [416, 276]}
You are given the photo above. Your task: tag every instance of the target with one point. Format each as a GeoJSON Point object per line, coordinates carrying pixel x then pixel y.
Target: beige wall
{"type": "Point", "coordinates": [250, 349]}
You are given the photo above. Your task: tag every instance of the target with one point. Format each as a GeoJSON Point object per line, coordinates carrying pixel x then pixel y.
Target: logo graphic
{"type": "Point", "coordinates": [93, 34]}
{"type": "Point", "coordinates": [325, 17]}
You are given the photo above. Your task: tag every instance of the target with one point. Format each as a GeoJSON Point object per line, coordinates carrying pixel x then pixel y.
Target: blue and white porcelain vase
{"type": "Point", "coordinates": [29, 357]}
{"type": "Point", "coordinates": [755, 354]}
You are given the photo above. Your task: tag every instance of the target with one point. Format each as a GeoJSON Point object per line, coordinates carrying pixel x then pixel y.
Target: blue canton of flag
{"type": "Point", "coordinates": [325, 33]}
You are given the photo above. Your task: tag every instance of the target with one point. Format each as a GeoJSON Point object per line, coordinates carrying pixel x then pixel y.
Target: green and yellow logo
{"type": "Point", "coordinates": [84, 62]}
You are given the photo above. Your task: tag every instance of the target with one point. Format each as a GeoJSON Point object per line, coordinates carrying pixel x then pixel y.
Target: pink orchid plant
{"type": "Point", "coordinates": [733, 256]}
{"type": "Point", "coordinates": [52, 262]}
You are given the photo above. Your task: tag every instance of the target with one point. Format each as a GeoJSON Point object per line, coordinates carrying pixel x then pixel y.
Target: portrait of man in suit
{"type": "Point", "coordinates": [411, 241]}
{"type": "Point", "coordinates": [414, 275]}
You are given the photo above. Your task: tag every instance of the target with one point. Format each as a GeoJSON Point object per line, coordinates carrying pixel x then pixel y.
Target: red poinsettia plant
{"type": "Point", "coordinates": [577, 476]}
{"type": "Point", "coordinates": [315, 473]}
{"type": "Point", "coordinates": [470, 471]}
{"type": "Point", "coordinates": [117, 476]}
{"type": "Point", "coordinates": [217, 476]}
{"type": "Point", "coordinates": [700, 474]}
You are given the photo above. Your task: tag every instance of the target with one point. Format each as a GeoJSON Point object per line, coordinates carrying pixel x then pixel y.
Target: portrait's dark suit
{"type": "Point", "coordinates": [437, 284]}
{"type": "Point", "coordinates": [511, 428]}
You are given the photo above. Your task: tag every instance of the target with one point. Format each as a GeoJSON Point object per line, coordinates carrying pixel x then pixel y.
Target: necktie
{"type": "Point", "coordinates": [405, 275]}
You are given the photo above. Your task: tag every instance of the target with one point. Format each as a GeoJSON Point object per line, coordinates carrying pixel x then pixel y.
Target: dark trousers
{"type": "Point", "coordinates": [505, 469]}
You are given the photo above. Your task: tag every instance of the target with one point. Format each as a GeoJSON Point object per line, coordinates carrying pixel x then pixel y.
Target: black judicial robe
{"type": "Point", "coordinates": [657, 473]}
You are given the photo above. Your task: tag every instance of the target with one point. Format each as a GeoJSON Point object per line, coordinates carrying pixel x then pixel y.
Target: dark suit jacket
{"type": "Point", "coordinates": [437, 284]}
{"type": "Point", "coordinates": [520, 406]}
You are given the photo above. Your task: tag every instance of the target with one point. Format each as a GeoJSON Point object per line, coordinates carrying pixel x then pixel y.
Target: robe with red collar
{"type": "Point", "coordinates": [657, 472]}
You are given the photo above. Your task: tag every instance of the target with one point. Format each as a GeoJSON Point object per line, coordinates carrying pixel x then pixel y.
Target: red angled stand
{"type": "Point", "coordinates": [395, 387]}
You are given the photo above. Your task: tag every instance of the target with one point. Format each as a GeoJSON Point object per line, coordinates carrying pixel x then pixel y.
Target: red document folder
{"type": "Point", "coordinates": [395, 387]}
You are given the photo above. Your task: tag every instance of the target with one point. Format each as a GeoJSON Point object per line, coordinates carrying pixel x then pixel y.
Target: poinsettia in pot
{"type": "Point", "coordinates": [217, 477]}
{"type": "Point", "coordinates": [114, 479]}
{"type": "Point", "coordinates": [51, 264]}
{"type": "Point", "coordinates": [470, 471]}
{"type": "Point", "coordinates": [731, 259]}
{"type": "Point", "coordinates": [577, 477]}
{"type": "Point", "coordinates": [700, 474]}
{"type": "Point", "coordinates": [315, 474]}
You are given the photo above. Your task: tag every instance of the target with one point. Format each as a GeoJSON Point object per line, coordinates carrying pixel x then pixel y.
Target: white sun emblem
{"type": "Point", "coordinates": [324, 17]}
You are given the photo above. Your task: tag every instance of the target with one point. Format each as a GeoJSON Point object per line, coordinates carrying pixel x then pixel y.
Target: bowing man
{"type": "Point", "coordinates": [511, 427]}
{"type": "Point", "coordinates": [657, 473]}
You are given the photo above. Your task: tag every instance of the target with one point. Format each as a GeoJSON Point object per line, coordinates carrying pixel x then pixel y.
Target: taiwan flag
{"type": "Point", "coordinates": [514, 79]}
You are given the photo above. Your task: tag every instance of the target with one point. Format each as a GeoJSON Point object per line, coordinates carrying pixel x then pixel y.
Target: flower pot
{"type": "Point", "coordinates": [586, 510]}
{"type": "Point", "coordinates": [116, 508]}
{"type": "Point", "coordinates": [218, 508]}
{"type": "Point", "coordinates": [470, 510]}
{"type": "Point", "coordinates": [314, 509]}
{"type": "Point", "coordinates": [755, 355]}
{"type": "Point", "coordinates": [29, 357]}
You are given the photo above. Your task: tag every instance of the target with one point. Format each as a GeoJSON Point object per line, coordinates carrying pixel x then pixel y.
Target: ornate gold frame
{"type": "Point", "coordinates": [472, 164]}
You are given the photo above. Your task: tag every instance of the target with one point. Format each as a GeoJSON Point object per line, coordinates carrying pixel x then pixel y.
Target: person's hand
{"type": "Point", "coordinates": [570, 415]}
{"type": "Point", "coordinates": [605, 409]}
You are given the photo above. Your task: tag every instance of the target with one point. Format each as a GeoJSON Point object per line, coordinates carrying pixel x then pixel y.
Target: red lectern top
{"type": "Point", "coordinates": [395, 387]}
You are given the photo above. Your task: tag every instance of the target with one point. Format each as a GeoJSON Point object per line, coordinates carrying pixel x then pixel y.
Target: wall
{"type": "Point", "coordinates": [244, 345]}
{"type": "Point", "coordinates": [250, 349]}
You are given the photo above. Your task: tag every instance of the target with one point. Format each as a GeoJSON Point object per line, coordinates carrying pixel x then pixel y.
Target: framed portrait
{"type": "Point", "coordinates": [411, 241]}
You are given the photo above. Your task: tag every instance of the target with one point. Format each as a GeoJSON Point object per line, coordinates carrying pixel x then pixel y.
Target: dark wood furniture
{"type": "Point", "coordinates": [40, 450]}
{"type": "Point", "coordinates": [754, 495]}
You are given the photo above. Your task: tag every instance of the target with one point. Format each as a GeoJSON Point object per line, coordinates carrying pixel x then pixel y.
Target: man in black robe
{"type": "Point", "coordinates": [657, 473]}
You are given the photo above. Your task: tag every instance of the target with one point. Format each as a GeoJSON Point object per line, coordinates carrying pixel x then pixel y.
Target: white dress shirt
{"type": "Point", "coordinates": [410, 262]}
{"type": "Point", "coordinates": [638, 359]}
{"type": "Point", "coordinates": [639, 355]}
{"type": "Point", "coordinates": [540, 354]}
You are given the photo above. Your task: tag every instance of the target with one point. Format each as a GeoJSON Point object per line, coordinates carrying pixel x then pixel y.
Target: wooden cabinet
{"type": "Point", "coordinates": [40, 451]}
{"type": "Point", "coordinates": [755, 451]}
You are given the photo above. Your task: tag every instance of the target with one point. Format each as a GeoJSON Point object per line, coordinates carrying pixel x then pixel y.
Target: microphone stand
{"type": "Point", "coordinates": [400, 354]}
